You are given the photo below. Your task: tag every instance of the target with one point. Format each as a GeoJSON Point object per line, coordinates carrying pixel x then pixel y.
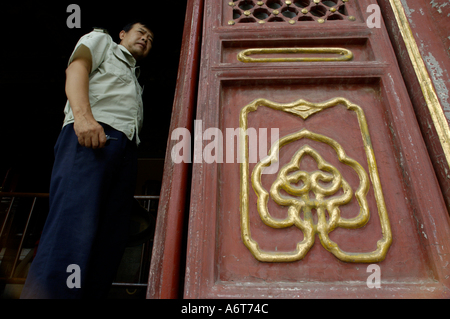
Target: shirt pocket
{"type": "Point", "coordinates": [119, 69]}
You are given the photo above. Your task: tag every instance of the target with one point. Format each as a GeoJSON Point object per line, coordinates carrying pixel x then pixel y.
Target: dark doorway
{"type": "Point", "coordinates": [34, 55]}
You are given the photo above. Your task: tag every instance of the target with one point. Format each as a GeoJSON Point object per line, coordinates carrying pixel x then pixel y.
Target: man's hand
{"type": "Point", "coordinates": [89, 132]}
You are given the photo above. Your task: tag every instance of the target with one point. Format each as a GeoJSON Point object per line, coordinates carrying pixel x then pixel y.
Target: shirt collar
{"type": "Point", "coordinates": [122, 53]}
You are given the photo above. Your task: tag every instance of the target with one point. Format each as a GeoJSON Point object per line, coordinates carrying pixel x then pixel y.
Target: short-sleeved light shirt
{"type": "Point", "coordinates": [115, 94]}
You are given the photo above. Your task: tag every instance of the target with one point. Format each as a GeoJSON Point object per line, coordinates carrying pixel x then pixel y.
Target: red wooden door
{"type": "Point", "coordinates": [346, 183]}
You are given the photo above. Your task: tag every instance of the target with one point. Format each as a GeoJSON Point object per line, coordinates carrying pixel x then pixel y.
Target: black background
{"type": "Point", "coordinates": [35, 47]}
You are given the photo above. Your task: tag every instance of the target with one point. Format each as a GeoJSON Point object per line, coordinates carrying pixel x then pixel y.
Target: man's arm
{"type": "Point", "coordinates": [90, 133]}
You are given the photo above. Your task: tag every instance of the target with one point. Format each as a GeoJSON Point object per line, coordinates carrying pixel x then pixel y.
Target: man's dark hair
{"type": "Point", "coordinates": [130, 25]}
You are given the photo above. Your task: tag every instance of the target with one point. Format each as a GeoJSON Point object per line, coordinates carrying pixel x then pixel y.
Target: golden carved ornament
{"type": "Point", "coordinates": [298, 199]}
{"type": "Point", "coordinates": [344, 55]}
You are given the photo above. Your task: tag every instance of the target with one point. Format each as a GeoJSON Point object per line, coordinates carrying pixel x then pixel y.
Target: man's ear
{"type": "Point", "coordinates": [122, 34]}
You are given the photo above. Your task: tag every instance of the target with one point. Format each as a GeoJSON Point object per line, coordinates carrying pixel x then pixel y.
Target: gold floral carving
{"type": "Point", "coordinates": [327, 198]}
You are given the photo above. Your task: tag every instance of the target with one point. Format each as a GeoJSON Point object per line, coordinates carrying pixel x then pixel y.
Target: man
{"type": "Point", "coordinates": [94, 174]}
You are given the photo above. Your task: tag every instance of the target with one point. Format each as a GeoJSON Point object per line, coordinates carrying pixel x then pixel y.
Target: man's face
{"type": "Point", "coordinates": [138, 41]}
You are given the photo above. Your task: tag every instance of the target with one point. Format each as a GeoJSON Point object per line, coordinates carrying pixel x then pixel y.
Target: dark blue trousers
{"type": "Point", "coordinates": [91, 196]}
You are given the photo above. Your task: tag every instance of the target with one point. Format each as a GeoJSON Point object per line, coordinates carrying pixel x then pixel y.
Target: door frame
{"type": "Point", "coordinates": [421, 87]}
{"type": "Point", "coordinates": [166, 272]}
{"type": "Point", "coordinates": [165, 278]}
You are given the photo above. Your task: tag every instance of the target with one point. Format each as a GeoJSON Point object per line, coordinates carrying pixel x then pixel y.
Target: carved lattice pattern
{"type": "Point", "coordinates": [290, 11]}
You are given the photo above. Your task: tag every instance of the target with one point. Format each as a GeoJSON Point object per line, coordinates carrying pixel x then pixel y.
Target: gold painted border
{"type": "Point", "coordinates": [304, 109]}
{"type": "Point", "coordinates": [429, 93]}
{"type": "Point", "coordinates": [345, 55]}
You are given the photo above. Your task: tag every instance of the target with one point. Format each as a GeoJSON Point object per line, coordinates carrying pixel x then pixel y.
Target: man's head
{"type": "Point", "coordinates": [137, 38]}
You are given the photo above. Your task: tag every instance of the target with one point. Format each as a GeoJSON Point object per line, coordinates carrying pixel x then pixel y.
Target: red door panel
{"type": "Point", "coordinates": [353, 185]}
